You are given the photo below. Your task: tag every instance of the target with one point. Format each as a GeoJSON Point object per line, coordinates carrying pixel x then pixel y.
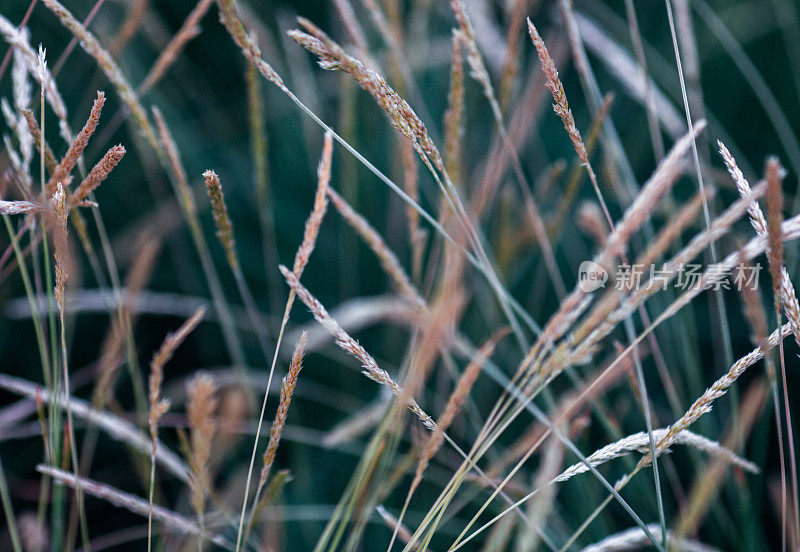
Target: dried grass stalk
{"type": "Point", "coordinates": [169, 54]}
{"type": "Point", "coordinates": [370, 368]}
{"type": "Point", "coordinates": [454, 405]}
{"type": "Point", "coordinates": [333, 58]}
{"type": "Point", "coordinates": [639, 442]}
{"type": "Point", "coordinates": [185, 195]}
{"type": "Point", "coordinates": [787, 291]}
{"type": "Point", "coordinates": [128, 30]}
{"type": "Point", "coordinates": [221, 219]}
{"type": "Point", "coordinates": [395, 525]}
{"type": "Point", "coordinates": [774, 221]}
{"type": "Point", "coordinates": [287, 389]}
{"type": "Point", "coordinates": [61, 244]}
{"type": "Point", "coordinates": [511, 63]}
{"type": "Point", "coordinates": [201, 393]}
{"type": "Point", "coordinates": [314, 220]}
{"type": "Point", "coordinates": [561, 106]}
{"type": "Point", "coordinates": [76, 148]}
{"type": "Point", "coordinates": [703, 404]}
{"type": "Point", "coordinates": [159, 406]}
{"type": "Point", "coordinates": [97, 175]}
{"type": "Point", "coordinates": [131, 503]}
{"type": "Point", "coordinates": [455, 110]}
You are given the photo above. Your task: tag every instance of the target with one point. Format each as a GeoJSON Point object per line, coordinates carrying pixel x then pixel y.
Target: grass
{"type": "Point", "coordinates": [487, 397]}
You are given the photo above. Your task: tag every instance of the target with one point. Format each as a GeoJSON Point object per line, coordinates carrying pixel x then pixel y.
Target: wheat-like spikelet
{"type": "Point", "coordinates": [370, 368]}
{"type": "Point", "coordinates": [707, 486]}
{"type": "Point", "coordinates": [230, 19]}
{"type": "Point", "coordinates": [636, 539]}
{"type": "Point", "coordinates": [401, 115]}
{"type": "Point", "coordinates": [276, 430]}
{"type": "Point", "coordinates": [703, 404]}
{"type": "Point", "coordinates": [202, 404]}
{"type": "Point", "coordinates": [96, 176]}
{"type": "Point", "coordinates": [301, 258]}
{"type": "Point", "coordinates": [287, 389]}
{"type": "Point", "coordinates": [743, 186]}
{"type": "Point", "coordinates": [21, 93]}
{"type": "Point", "coordinates": [64, 168]}
{"type": "Point", "coordinates": [759, 222]}
{"type": "Point", "coordinates": [388, 260]}
{"type": "Point", "coordinates": [221, 219]}
{"type": "Point", "coordinates": [109, 67]}
{"type": "Point", "coordinates": [561, 106]}
{"type": "Point", "coordinates": [169, 54]}
{"type": "Point", "coordinates": [320, 206]}
{"type": "Point", "coordinates": [61, 244]}
{"type": "Point", "coordinates": [774, 198]}
{"type": "Point", "coordinates": [639, 442]}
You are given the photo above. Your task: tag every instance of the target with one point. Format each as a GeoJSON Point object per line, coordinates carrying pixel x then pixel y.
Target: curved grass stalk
{"type": "Point", "coordinates": [251, 52]}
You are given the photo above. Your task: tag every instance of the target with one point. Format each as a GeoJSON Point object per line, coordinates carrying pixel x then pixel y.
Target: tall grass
{"type": "Point", "coordinates": [521, 293]}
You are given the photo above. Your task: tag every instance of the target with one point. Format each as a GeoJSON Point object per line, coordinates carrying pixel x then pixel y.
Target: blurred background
{"type": "Point", "coordinates": [748, 66]}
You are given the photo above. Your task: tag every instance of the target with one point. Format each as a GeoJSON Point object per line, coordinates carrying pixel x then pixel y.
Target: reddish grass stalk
{"type": "Point", "coordinates": [62, 171]}
{"type": "Point", "coordinates": [300, 261]}
{"type": "Point", "coordinates": [159, 406]}
{"type": "Point", "coordinates": [171, 51]}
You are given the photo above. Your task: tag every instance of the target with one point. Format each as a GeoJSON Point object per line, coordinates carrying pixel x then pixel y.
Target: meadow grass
{"type": "Point", "coordinates": [454, 376]}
